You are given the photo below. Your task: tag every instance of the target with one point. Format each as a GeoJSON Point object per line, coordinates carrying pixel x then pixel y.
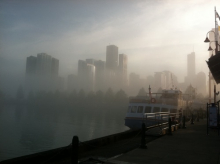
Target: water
{"type": "Point", "coordinates": [27, 130]}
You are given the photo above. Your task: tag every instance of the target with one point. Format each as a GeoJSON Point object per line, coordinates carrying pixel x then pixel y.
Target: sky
{"type": "Point", "coordinates": [156, 35]}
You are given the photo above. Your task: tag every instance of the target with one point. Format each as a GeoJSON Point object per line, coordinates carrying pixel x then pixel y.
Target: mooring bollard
{"type": "Point", "coordinates": [170, 130]}
{"type": "Point", "coordinates": [143, 142]}
{"type": "Point", "coordinates": [75, 149]}
{"type": "Point", "coordinates": [184, 122]}
{"type": "Point", "coordinates": [192, 121]}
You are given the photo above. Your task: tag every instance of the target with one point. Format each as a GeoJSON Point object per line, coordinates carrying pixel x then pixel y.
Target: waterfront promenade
{"type": "Point", "coordinates": [186, 146]}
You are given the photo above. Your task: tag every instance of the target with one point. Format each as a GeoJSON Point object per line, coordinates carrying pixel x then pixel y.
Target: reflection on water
{"type": "Point", "coordinates": [27, 130]}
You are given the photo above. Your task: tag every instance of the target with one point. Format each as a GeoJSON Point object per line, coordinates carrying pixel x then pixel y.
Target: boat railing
{"type": "Point", "coordinates": [160, 116]}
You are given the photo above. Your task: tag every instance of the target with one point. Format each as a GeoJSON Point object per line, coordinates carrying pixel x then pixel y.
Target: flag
{"type": "Point", "coordinates": [217, 15]}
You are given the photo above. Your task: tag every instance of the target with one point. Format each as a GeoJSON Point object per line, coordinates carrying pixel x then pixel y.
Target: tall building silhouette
{"type": "Point", "coordinates": [86, 75]}
{"type": "Point", "coordinates": [122, 70]}
{"type": "Point", "coordinates": [31, 65]}
{"type": "Point", "coordinates": [42, 73]}
{"type": "Point", "coordinates": [191, 69]}
{"type": "Point", "coordinates": [44, 62]}
{"type": "Point", "coordinates": [111, 57]}
{"type": "Point", "coordinates": [54, 66]}
{"type": "Point", "coordinates": [100, 75]}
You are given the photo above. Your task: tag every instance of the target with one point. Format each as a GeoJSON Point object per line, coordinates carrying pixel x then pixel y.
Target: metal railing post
{"type": "Point", "coordinates": [170, 130]}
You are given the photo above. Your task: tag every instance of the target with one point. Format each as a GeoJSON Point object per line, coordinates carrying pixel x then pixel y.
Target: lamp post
{"type": "Point", "coordinates": [216, 51]}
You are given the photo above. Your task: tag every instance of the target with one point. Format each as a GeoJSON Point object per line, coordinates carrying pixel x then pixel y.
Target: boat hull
{"type": "Point", "coordinates": [136, 123]}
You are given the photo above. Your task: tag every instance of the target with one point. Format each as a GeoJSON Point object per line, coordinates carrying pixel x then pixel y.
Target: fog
{"type": "Point", "coordinates": [155, 36]}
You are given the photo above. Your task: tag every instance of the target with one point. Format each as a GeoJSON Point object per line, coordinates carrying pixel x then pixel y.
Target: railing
{"type": "Point", "coordinates": [160, 117]}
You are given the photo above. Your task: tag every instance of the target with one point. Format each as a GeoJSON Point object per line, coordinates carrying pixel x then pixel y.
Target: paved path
{"type": "Point", "coordinates": [185, 146]}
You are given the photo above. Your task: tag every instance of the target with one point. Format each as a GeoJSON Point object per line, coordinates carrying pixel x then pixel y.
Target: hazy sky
{"type": "Point", "coordinates": [156, 35]}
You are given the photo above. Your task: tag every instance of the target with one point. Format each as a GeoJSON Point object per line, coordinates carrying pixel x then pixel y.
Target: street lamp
{"type": "Point", "coordinates": [208, 41]}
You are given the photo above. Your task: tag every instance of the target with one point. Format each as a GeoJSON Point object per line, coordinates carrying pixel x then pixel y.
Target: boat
{"type": "Point", "coordinates": [157, 109]}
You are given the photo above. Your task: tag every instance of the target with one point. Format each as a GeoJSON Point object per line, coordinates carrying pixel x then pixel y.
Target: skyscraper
{"type": "Point", "coordinates": [122, 70]}
{"type": "Point", "coordinates": [42, 73]}
{"type": "Point", "coordinates": [160, 80]}
{"type": "Point", "coordinates": [191, 69]}
{"type": "Point", "coordinates": [191, 62]}
{"type": "Point", "coordinates": [111, 57]}
{"type": "Point", "coordinates": [31, 65]}
{"type": "Point", "coordinates": [54, 66]}
{"type": "Point", "coordinates": [99, 75]}
{"type": "Point", "coordinates": [43, 64]}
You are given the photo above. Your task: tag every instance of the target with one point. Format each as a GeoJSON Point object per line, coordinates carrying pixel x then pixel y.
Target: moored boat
{"type": "Point", "coordinates": [153, 110]}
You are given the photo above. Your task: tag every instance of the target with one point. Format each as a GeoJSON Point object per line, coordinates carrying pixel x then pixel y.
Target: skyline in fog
{"type": "Point", "coordinates": [155, 35]}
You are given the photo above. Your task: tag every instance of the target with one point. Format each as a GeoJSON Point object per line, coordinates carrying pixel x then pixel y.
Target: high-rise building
{"type": "Point", "coordinates": [191, 65]}
{"type": "Point", "coordinates": [99, 75]}
{"type": "Point", "coordinates": [54, 66]}
{"type": "Point", "coordinates": [86, 76]}
{"type": "Point", "coordinates": [90, 77]}
{"type": "Point", "coordinates": [191, 70]}
{"type": "Point", "coordinates": [31, 65]}
{"type": "Point", "coordinates": [111, 57]}
{"type": "Point", "coordinates": [42, 73]}
{"type": "Point", "coordinates": [122, 70]}
{"type": "Point", "coordinates": [90, 61]}
{"type": "Point", "coordinates": [43, 64]}
{"type": "Point", "coordinates": [160, 80]}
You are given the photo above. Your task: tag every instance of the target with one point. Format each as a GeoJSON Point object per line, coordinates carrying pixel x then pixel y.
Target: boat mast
{"type": "Point", "coordinates": [150, 92]}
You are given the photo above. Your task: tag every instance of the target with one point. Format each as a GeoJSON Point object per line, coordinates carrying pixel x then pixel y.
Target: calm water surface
{"type": "Point", "coordinates": [27, 130]}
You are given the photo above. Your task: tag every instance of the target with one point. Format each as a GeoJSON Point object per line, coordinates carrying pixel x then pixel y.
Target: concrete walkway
{"type": "Point", "coordinates": [186, 146]}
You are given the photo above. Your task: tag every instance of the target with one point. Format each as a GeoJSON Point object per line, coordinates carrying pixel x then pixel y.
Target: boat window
{"type": "Point", "coordinates": [164, 110]}
{"type": "Point", "coordinates": [140, 109]}
{"type": "Point", "coordinates": [156, 109]}
{"type": "Point", "coordinates": [147, 109]}
{"type": "Point", "coordinates": [134, 109]}
{"type": "Point", "coordinates": [173, 110]}
{"type": "Point", "coordinates": [129, 108]}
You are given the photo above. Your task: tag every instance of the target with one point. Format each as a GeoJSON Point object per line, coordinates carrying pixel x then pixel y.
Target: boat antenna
{"type": "Point", "coordinates": [172, 80]}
